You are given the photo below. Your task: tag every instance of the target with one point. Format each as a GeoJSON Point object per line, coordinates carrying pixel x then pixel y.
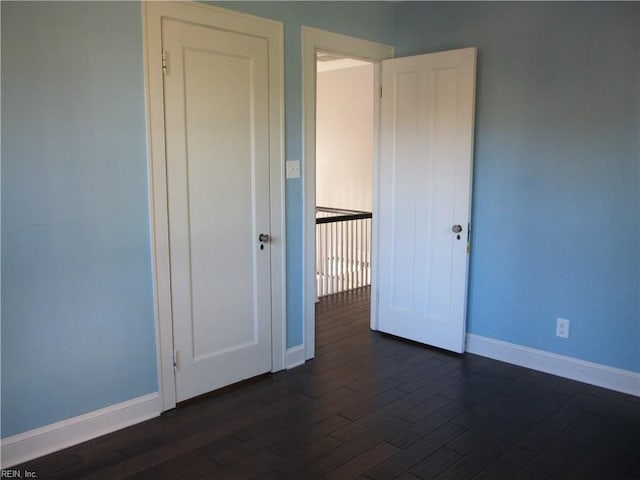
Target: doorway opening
{"type": "Point", "coordinates": [428, 113]}
{"type": "Point", "coordinates": [344, 172]}
{"type": "Point", "coordinates": [314, 41]}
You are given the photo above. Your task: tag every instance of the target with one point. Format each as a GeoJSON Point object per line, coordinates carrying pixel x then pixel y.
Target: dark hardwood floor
{"type": "Point", "coordinates": [371, 406]}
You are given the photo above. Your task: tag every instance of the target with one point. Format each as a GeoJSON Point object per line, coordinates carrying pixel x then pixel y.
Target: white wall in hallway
{"type": "Point", "coordinates": [344, 138]}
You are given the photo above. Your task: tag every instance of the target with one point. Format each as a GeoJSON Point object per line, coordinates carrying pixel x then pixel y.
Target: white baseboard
{"type": "Point", "coordinates": [612, 378]}
{"type": "Point", "coordinates": [295, 356]}
{"type": "Point", "coordinates": [50, 438]}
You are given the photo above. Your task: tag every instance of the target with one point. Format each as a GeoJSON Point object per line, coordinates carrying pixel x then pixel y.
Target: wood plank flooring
{"type": "Point", "coordinates": [371, 406]}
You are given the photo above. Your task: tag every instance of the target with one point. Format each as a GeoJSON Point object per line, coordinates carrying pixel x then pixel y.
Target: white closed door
{"type": "Point", "coordinates": [424, 196]}
{"type": "Point", "coordinates": [217, 150]}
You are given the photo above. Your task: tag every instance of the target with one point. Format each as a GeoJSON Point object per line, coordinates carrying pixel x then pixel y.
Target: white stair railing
{"type": "Point", "coordinates": [343, 250]}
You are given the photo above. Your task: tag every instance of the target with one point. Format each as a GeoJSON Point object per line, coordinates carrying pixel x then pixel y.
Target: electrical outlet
{"type": "Point", "coordinates": [562, 328]}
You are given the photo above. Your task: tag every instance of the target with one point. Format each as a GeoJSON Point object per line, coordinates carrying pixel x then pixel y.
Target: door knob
{"type": "Point", "coordinates": [456, 228]}
{"type": "Point", "coordinates": [264, 237]}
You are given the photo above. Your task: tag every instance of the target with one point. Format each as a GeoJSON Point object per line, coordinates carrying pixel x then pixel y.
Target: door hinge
{"type": "Point", "coordinates": [164, 62]}
{"type": "Point", "coordinates": [175, 360]}
{"type": "Point", "coordinates": [380, 91]}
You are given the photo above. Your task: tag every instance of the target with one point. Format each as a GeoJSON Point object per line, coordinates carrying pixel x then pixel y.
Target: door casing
{"type": "Point", "coordinates": [272, 31]}
{"type": "Point", "coordinates": [314, 40]}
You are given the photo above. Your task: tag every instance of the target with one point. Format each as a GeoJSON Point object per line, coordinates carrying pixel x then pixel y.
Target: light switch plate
{"type": "Point", "coordinates": [293, 168]}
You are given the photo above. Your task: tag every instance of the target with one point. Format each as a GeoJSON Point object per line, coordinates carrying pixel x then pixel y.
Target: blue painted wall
{"type": "Point", "coordinates": [77, 308]}
{"type": "Point", "coordinates": [556, 212]}
{"type": "Point", "coordinates": [77, 323]}
{"type": "Point", "coordinates": [556, 194]}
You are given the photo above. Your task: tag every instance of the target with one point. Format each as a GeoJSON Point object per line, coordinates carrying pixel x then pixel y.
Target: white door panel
{"type": "Point", "coordinates": [426, 144]}
{"type": "Point", "coordinates": [217, 146]}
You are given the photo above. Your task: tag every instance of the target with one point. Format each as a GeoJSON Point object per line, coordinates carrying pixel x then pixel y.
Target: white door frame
{"type": "Point", "coordinates": [314, 40]}
{"type": "Point", "coordinates": [272, 31]}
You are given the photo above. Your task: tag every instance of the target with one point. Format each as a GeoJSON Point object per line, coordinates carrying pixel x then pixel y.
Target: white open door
{"type": "Point", "coordinates": [424, 196]}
